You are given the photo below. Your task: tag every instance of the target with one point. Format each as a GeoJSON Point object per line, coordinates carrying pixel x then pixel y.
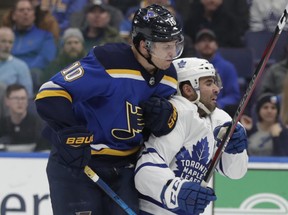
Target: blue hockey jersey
{"type": "Point", "coordinates": [104, 90]}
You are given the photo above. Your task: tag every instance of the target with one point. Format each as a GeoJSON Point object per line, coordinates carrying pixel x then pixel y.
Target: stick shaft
{"type": "Point", "coordinates": [94, 177]}
{"type": "Point", "coordinates": [245, 99]}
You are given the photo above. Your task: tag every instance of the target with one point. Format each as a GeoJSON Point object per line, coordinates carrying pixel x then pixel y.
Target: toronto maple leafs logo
{"type": "Point", "coordinates": [193, 166]}
{"type": "Point", "coordinates": [182, 64]}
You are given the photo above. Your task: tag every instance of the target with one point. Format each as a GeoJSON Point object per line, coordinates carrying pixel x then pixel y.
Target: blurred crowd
{"type": "Point", "coordinates": [39, 38]}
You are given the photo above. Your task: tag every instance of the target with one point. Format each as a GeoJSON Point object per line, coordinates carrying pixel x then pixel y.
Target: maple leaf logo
{"type": "Point", "coordinates": [193, 166]}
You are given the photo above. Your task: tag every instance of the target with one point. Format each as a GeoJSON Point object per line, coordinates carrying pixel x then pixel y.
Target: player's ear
{"type": "Point", "coordinates": [142, 47]}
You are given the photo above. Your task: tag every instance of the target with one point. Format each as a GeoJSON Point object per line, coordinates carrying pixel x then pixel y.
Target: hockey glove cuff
{"type": "Point", "coordinates": [73, 146]}
{"type": "Point", "coordinates": [159, 115]}
{"type": "Point", "coordinates": [187, 196]}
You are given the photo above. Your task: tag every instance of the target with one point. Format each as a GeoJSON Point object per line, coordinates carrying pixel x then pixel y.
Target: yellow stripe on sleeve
{"type": "Point", "coordinates": [53, 93]}
{"type": "Point", "coordinates": [115, 152]}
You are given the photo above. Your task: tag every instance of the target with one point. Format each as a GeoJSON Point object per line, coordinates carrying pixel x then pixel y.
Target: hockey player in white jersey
{"type": "Point", "coordinates": [171, 167]}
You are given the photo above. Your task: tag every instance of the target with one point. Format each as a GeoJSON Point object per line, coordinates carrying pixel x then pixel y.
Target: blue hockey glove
{"type": "Point", "coordinates": [238, 141]}
{"type": "Point", "coordinates": [73, 146]}
{"type": "Point", "coordinates": [186, 195]}
{"type": "Point", "coordinates": [159, 115]}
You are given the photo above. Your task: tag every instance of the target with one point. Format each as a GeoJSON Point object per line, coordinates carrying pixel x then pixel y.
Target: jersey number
{"type": "Point", "coordinates": [73, 72]}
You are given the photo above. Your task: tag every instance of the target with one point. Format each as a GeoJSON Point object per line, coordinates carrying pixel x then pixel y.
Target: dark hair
{"type": "Point", "coordinates": [264, 98]}
{"type": "Point", "coordinates": [14, 87]}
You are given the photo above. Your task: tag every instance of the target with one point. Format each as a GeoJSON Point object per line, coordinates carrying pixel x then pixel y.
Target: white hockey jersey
{"type": "Point", "coordinates": [185, 152]}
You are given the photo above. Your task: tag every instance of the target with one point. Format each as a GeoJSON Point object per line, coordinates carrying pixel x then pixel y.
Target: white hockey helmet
{"type": "Point", "coordinates": [192, 69]}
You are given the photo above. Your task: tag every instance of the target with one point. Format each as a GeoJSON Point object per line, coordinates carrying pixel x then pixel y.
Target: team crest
{"type": "Point", "coordinates": [182, 64]}
{"type": "Point", "coordinates": [150, 14]}
{"type": "Point", "coordinates": [193, 166]}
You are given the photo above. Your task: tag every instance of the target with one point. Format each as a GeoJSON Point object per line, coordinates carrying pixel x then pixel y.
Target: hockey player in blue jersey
{"type": "Point", "coordinates": [94, 117]}
{"type": "Point", "coordinates": [171, 167]}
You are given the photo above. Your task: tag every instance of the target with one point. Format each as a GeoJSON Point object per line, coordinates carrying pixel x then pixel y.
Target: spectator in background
{"type": "Point", "coordinates": [274, 77]}
{"type": "Point", "coordinates": [240, 11]}
{"type": "Point", "coordinates": [34, 46]}
{"type": "Point", "coordinates": [43, 19]}
{"type": "Point", "coordinates": [126, 24]}
{"type": "Point", "coordinates": [206, 46]}
{"type": "Point", "coordinates": [21, 130]}
{"type": "Point", "coordinates": [213, 14]}
{"type": "Point", "coordinates": [239, 8]}
{"type": "Point", "coordinates": [98, 32]}
{"type": "Point", "coordinates": [2, 105]}
{"type": "Point", "coordinates": [78, 20]}
{"type": "Point", "coordinates": [189, 50]}
{"type": "Point", "coordinates": [62, 10]}
{"type": "Point", "coordinates": [12, 69]}
{"type": "Point", "coordinates": [284, 102]}
{"type": "Point", "coordinates": [184, 8]}
{"type": "Point", "coordinates": [145, 3]}
{"type": "Point", "coordinates": [72, 49]}
{"type": "Point", "coordinates": [265, 14]}
{"type": "Point", "coordinates": [264, 130]}
{"type": "Point", "coordinates": [124, 5]}
{"type": "Point", "coordinates": [281, 147]}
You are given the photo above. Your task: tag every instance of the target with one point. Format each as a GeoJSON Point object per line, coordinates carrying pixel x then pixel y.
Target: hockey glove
{"type": "Point", "coordinates": [238, 141]}
{"type": "Point", "coordinates": [186, 195]}
{"type": "Point", "coordinates": [159, 115]}
{"type": "Point", "coordinates": [73, 146]}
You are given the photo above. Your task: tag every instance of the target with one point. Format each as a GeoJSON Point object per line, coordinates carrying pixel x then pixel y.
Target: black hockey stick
{"type": "Point", "coordinates": [94, 177]}
{"type": "Point", "coordinates": [244, 101]}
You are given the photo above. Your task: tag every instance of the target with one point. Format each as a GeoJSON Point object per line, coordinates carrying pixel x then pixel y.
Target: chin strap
{"type": "Point", "coordinates": [149, 58]}
{"type": "Point", "coordinates": [203, 107]}
{"type": "Point", "coordinates": [200, 104]}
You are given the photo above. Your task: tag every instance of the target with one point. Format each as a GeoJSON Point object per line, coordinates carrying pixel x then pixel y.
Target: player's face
{"type": "Point", "coordinates": [208, 92]}
{"type": "Point", "coordinates": [73, 47]}
{"type": "Point", "coordinates": [163, 53]}
{"type": "Point", "coordinates": [268, 112]}
{"type": "Point", "coordinates": [17, 102]}
{"type": "Point", "coordinates": [188, 92]}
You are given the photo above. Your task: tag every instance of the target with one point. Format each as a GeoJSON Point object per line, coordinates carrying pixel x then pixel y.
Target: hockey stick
{"type": "Point", "coordinates": [244, 101]}
{"type": "Point", "coordinates": [94, 177]}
